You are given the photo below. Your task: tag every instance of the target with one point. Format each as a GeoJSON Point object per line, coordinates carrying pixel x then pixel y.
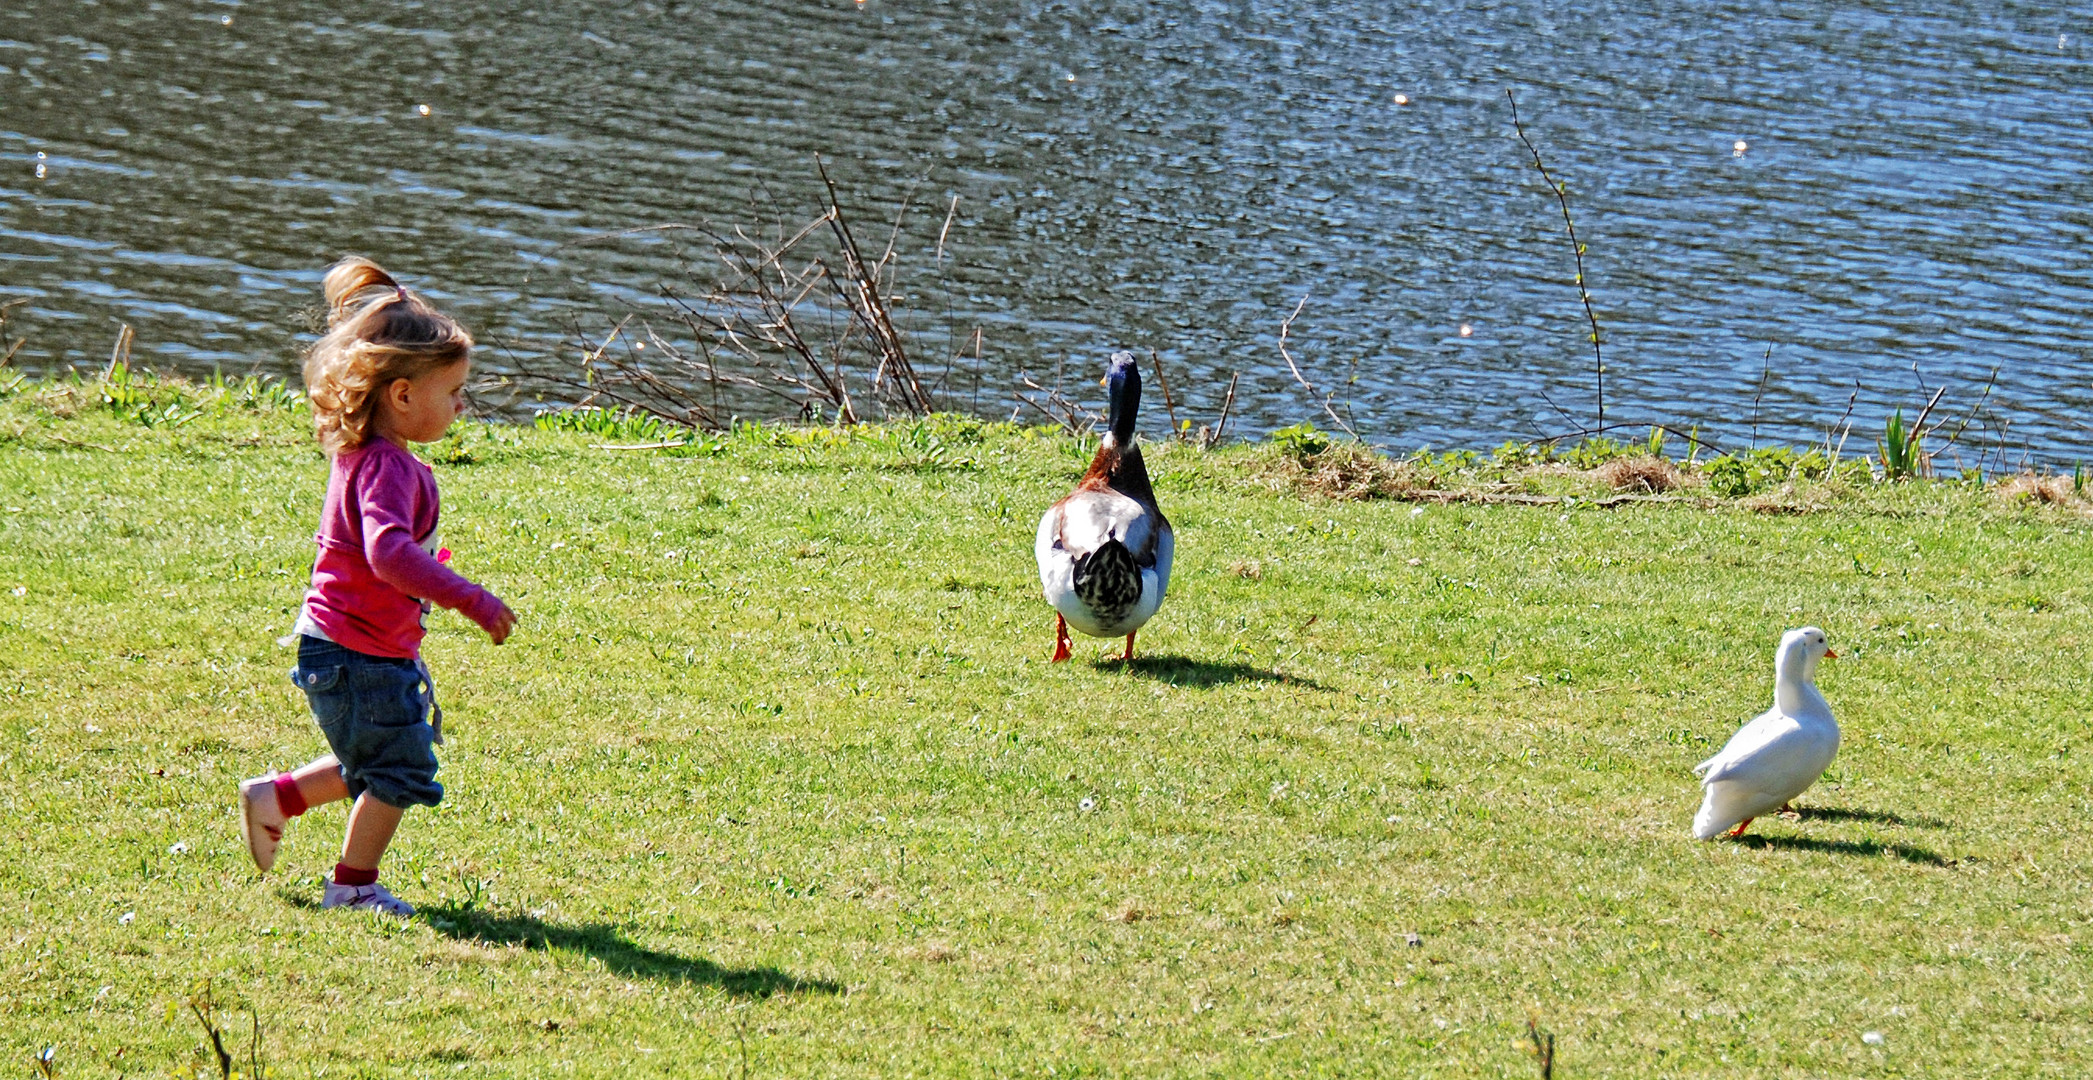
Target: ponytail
{"type": "Point", "coordinates": [377, 332]}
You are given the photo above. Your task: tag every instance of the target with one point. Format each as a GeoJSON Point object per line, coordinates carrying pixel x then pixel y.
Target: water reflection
{"type": "Point", "coordinates": [1864, 190]}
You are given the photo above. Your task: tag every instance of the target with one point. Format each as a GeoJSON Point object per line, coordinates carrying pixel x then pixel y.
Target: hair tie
{"type": "Point", "coordinates": [403, 292]}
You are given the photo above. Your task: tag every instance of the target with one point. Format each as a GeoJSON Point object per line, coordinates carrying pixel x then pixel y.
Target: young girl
{"type": "Point", "coordinates": [391, 371]}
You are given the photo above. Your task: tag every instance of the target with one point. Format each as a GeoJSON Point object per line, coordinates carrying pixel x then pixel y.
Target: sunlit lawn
{"type": "Point", "coordinates": [775, 776]}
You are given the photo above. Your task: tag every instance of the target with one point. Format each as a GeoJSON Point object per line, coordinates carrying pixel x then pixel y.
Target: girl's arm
{"type": "Point", "coordinates": [399, 561]}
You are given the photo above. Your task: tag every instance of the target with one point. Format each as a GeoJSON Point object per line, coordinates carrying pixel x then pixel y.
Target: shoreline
{"type": "Point", "coordinates": [1596, 471]}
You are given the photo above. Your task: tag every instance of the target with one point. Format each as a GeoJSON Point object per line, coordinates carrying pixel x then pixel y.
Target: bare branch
{"type": "Point", "coordinates": [1285, 328]}
{"type": "Point", "coordinates": [1227, 403]}
{"type": "Point", "coordinates": [942, 233]}
{"type": "Point", "coordinates": [1169, 403]}
{"type": "Point", "coordinates": [1562, 198]}
{"type": "Point", "coordinates": [1765, 371]}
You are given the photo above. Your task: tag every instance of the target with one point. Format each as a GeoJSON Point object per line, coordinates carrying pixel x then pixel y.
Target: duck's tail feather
{"type": "Point", "coordinates": [1108, 581]}
{"type": "Point", "coordinates": [1713, 820]}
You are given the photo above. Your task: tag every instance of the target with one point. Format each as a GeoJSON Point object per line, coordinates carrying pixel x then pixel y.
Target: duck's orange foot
{"type": "Point", "coordinates": [1128, 656]}
{"type": "Point", "coordinates": [1739, 830]}
{"type": "Point", "coordinates": [1061, 650]}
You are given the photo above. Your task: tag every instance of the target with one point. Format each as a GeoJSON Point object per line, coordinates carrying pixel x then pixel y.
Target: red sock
{"type": "Point", "coordinates": [288, 798]}
{"type": "Point", "coordinates": [344, 874]}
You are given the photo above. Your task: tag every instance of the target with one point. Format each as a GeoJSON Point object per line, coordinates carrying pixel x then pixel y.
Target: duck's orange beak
{"type": "Point", "coordinates": [1829, 655]}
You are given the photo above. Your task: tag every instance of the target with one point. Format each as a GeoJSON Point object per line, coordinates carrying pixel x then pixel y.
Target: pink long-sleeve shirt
{"type": "Point", "coordinates": [373, 572]}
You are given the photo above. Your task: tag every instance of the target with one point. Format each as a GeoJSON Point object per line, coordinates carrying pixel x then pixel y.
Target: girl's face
{"type": "Point", "coordinates": [421, 409]}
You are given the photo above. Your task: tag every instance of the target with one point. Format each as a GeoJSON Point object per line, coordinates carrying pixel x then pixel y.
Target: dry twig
{"type": "Point", "coordinates": [794, 314]}
{"type": "Point", "coordinates": [1562, 198]}
{"type": "Point", "coordinates": [1286, 327]}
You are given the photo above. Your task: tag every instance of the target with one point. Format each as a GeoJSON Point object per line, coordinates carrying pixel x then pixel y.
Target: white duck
{"type": "Point", "coordinates": [1779, 755]}
{"type": "Point", "coordinates": [1104, 550]}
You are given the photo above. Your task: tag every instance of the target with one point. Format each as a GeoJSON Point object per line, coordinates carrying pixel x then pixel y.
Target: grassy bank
{"type": "Point", "coordinates": [774, 777]}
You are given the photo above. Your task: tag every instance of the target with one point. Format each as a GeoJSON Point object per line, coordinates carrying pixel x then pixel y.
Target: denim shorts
{"type": "Point", "coordinates": [374, 711]}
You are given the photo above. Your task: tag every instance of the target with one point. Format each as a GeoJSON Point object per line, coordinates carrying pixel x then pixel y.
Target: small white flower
{"type": "Point", "coordinates": [671, 554]}
{"type": "Point", "coordinates": [1416, 510]}
{"type": "Point", "coordinates": [91, 729]}
{"type": "Point", "coordinates": [21, 590]}
{"type": "Point", "coordinates": [558, 544]}
{"type": "Point", "coordinates": [1872, 1038]}
{"type": "Point", "coordinates": [1087, 805]}
{"type": "Point", "coordinates": [1416, 562]}
{"type": "Point", "coordinates": [179, 847]}
{"type": "Point", "coordinates": [126, 918]}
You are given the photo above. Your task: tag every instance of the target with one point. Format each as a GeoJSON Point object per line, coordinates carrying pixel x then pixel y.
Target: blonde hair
{"type": "Point", "coordinates": [377, 331]}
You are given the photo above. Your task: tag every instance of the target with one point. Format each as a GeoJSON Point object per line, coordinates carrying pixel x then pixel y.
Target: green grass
{"type": "Point", "coordinates": [775, 775]}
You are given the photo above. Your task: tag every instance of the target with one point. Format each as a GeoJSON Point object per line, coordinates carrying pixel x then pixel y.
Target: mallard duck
{"type": "Point", "coordinates": [1104, 551]}
{"type": "Point", "coordinates": [1779, 755]}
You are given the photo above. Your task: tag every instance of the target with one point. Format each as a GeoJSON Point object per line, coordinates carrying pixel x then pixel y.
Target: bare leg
{"type": "Point", "coordinates": [1129, 656]}
{"type": "Point", "coordinates": [1061, 650]}
{"type": "Point", "coordinates": [1739, 830]}
{"type": "Point", "coordinates": [371, 825]}
{"type": "Point", "coordinates": [321, 782]}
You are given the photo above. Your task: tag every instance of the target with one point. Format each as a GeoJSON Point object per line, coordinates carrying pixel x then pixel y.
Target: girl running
{"type": "Point", "coordinates": [390, 371]}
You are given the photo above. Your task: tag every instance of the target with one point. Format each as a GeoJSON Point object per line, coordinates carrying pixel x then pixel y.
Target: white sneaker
{"type": "Point", "coordinates": [261, 819]}
{"type": "Point", "coordinates": [366, 898]}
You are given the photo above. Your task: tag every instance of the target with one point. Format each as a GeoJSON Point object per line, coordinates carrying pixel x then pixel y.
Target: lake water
{"type": "Point", "coordinates": [1859, 191]}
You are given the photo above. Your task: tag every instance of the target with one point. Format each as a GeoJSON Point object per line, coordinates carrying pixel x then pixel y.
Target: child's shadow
{"type": "Point", "coordinates": [1201, 674]}
{"type": "Point", "coordinates": [605, 943]}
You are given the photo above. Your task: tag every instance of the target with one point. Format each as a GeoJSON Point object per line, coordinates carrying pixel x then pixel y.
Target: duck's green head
{"type": "Point", "coordinates": [1123, 395]}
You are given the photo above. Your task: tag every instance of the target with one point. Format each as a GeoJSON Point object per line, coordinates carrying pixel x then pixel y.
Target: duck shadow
{"type": "Point", "coordinates": [1878, 817]}
{"type": "Point", "coordinates": [605, 943]}
{"type": "Point", "coordinates": [1201, 674]}
{"type": "Point", "coordinates": [1907, 852]}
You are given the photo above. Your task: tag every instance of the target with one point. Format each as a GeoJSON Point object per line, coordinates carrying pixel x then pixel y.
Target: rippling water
{"type": "Point", "coordinates": [1914, 186]}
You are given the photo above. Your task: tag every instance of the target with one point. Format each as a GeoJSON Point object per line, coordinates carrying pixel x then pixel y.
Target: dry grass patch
{"type": "Point", "coordinates": [1641, 475]}
{"type": "Point", "coordinates": [1348, 471]}
{"type": "Point", "coordinates": [2036, 488]}
{"type": "Point", "coordinates": [931, 952]}
{"type": "Point", "coordinates": [1129, 912]}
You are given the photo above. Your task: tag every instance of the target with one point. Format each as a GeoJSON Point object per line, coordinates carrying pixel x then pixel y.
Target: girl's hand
{"type": "Point", "coordinates": [502, 623]}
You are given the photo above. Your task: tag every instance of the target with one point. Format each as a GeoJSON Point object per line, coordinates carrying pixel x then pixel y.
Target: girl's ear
{"type": "Point", "coordinates": [397, 392]}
